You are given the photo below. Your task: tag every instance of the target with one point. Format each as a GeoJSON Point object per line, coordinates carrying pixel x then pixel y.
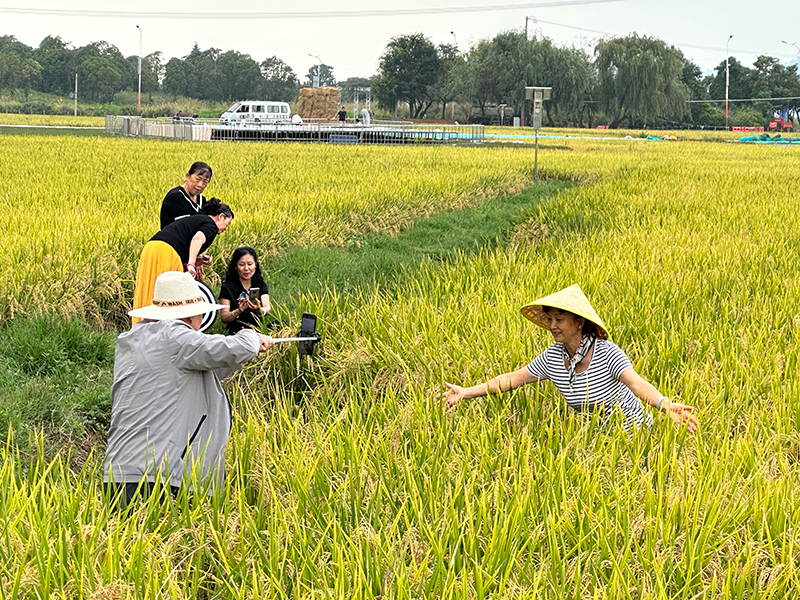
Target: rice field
{"type": "Point", "coordinates": [100, 200]}
{"type": "Point", "coordinates": [52, 120]}
{"type": "Point", "coordinates": [362, 486]}
{"type": "Point", "coordinates": [696, 135]}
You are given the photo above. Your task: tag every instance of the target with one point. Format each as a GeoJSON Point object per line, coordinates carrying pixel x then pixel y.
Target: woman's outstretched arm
{"type": "Point", "coordinates": [496, 385]}
{"type": "Point", "coordinates": [646, 391]}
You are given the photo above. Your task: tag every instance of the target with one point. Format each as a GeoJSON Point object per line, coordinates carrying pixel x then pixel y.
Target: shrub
{"type": "Point", "coordinates": [747, 117]}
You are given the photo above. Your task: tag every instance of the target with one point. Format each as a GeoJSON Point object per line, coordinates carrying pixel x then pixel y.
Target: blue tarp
{"type": "Point", "coordinates": [764, 138]}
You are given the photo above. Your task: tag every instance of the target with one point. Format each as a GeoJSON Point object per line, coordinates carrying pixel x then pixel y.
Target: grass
{"type": "Point", "coordinates": [55, 378]}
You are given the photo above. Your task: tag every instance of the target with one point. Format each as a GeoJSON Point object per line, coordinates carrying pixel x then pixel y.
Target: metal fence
{"type": "Point", "coordinates": [178, 128]}
{"type": "Point", "coordinates": [378, 132]}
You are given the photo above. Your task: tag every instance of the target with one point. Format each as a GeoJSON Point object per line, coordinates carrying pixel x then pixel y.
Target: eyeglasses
{"type": "Point", "coordinates": [202, 179]}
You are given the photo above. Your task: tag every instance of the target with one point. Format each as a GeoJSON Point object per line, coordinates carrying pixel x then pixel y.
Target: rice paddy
{"type": "Point", "coordinates": [361, 485]}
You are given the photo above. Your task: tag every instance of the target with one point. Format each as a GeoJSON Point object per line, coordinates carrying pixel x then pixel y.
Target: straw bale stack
{"type": "Point", "coordinates": [318, 103]}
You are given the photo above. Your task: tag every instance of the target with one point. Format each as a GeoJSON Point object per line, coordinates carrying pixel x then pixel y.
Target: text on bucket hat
{"type": "Point", "coordinates": [571, 299]}
{"type": "Point", "coordinates": [176, 296]}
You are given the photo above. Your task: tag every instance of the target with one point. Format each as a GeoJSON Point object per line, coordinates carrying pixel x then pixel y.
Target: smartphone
{"type": "Point", "coordinates": [253, 294]}
{"type": "Point", "coordinates": [308, 327]}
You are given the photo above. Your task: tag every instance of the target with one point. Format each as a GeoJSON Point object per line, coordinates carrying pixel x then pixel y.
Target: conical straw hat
{"type": "Point", "coordinates": [571, 299]}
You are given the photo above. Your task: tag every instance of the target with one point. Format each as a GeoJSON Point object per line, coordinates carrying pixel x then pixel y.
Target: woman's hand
{"type": "Point", "coordinates": [682, 415]}
{"type": "Point", "coordinates": [453, 394]}
{"type": "Point", "coordinates": [245, 303]}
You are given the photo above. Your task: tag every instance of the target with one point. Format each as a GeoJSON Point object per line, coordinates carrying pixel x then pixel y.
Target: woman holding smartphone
{"type": "Point", "coordinates": [245, 290]}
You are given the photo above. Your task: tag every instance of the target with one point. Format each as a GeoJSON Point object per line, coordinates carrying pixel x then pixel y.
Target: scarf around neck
{"type": "Point", "coordinates": [583, 349]}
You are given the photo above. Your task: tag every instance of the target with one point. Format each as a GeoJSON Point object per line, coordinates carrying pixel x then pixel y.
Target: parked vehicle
{"type": "Point", "coordinates": [248, 112]}
{"type": "Point", "coordinates": [493, 115]}
{"type": "Point", "coordinates": [779, 124]}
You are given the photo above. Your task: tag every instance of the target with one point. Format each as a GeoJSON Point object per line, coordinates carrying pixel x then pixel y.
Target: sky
{"type": "Point", "coordinates": [351, 37]}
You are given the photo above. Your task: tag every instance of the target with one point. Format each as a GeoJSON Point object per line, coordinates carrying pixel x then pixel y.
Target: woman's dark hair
{"type": "Point", "coordinates": [589, 328]}
{"type": "Point", "coordinates": [200, 168]}
{"type": "Point", "coordinates": [231, 274]}
{"type": "Point", "coordinates": [214, 207]}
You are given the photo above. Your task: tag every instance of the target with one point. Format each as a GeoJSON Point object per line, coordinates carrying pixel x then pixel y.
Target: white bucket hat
{"type": "Point", "coordinates": [176, 296]}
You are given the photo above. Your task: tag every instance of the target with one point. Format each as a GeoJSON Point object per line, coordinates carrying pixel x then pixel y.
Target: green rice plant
{"type": "Point", "coordinates": [362, 485]}
{"type": "Point", "coordinates": [83, 210]}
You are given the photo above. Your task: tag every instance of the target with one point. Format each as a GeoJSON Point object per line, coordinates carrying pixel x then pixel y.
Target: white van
{"type": "Point", "coordinates": [256, 111]}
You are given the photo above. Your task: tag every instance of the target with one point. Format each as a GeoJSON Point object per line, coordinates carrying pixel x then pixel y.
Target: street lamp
{"type": "Point", "coordinates": [797, 57]}
{"type": "Point", "coordinates": [140, 68]}
{"type": "Point", "coordinates": [727, 80]}
{"type": "Point", "coordinates": [315, 81]}
{"type": "Point", "coordinates": [455, 41]}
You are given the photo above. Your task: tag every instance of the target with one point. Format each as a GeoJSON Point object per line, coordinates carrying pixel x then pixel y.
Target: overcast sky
{"type": "Point", "coordinates": [352, 44]}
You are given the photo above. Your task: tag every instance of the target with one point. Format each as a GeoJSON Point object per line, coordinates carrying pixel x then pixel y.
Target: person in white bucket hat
{"type": "Point", "coordinates": [590, 371]}
{"type": "Point", "coordinates": [170, 418]}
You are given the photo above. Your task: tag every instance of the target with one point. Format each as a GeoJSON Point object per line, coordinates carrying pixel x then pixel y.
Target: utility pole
{"type": "Point", "coordinates": [532, 20]}
{"type": "Point", "coordinates": [727, 80]}
{"type": "Point", "coordinates": [140, 68]}
{"type": "Point", "coordinates": [453, 103]}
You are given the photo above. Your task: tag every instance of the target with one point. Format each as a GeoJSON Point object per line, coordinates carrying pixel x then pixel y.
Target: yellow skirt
{"type": "Point", "coordinates": [157, 258]}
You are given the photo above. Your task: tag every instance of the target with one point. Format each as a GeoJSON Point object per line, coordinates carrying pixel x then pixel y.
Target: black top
{"type": "Point", "coordinates": [249, 318]}
{"type": "Point", "coordinates": [342, 115]}
{"type": "Point", "coordinates": [179, 234]}
{"type": "Point", "coordinates": [177, 204]}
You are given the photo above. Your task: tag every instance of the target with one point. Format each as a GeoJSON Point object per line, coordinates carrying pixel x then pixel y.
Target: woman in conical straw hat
{"type": "Point", "coordinates": [587, 368]}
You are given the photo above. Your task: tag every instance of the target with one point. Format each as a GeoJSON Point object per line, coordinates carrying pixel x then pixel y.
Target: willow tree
{"type": "Point", "coordinates": [501, 68]}
{"type": "Point", "coordinates": [640, 80]}
{"type": "Point", "coordinates": [571, 75]}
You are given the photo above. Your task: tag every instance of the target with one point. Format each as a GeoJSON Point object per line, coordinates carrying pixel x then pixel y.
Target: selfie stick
{"type": "Point", "coordinates": [313, 338]}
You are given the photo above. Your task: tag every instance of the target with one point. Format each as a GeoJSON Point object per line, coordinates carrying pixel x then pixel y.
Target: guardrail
{"type": "Point", "coordinates": [177, 128]}
{"type": "Point", "coordinates": [379, 132]}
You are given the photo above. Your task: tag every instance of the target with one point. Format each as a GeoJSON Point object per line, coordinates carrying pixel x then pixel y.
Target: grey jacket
{"type": "Point", "coordinates": [169, 413]}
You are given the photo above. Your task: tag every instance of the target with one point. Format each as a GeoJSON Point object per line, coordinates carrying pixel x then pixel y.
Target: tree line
{"type": "Point", "coordinates": [634, 81]}
{"type": "Point", "coordinates": [103, 71]}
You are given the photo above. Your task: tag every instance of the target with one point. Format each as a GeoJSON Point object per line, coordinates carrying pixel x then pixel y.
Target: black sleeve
{"type": "Point", "coordinates": [225, 292]}
{"type": "Point", "coordinates": [170, 208]}
{"type": "Point", "coordinates": [210, 230]}
{"type": "Point", "coordinates": [264, 290]}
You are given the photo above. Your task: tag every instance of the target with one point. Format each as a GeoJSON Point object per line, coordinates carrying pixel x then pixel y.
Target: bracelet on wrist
{"type": "Point", "coordinates": [660, 401]}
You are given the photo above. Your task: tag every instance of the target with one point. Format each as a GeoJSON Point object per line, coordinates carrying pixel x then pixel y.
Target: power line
{"type": "Point", "coordinates": [747, 99]}
{"type": "Point", "coordinates": [678, 44]}
{"type": "Point", "coordinates": [331, 14]}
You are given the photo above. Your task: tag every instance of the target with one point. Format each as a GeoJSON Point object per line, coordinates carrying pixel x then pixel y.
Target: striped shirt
{"type": "Point", "coordinates": [598, 387]}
